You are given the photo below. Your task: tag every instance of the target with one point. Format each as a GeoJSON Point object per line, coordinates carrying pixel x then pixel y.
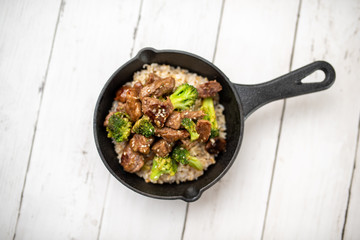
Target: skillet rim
{"type": "Point", "coordinates": [143, 56]}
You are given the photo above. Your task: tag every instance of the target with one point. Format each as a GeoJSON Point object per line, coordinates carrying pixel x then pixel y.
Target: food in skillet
{"type": "Point", "coordinates": [167, 125]}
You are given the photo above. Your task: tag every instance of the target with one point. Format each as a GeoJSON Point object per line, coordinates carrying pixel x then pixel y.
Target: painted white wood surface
{"type": "Point", "coordinates": [137, 215]}
{"type": "Point", "coordinates": [235, 207]}
{"type": "Point", "coordinates": [318, 140]}
{"type": "Point", "coordinates": [185, 25]}
{"type": "Point", "coordinates": [69, 194]}
{"type": "Point", "coordinates": [352, 230]}
{"type": "Point", "coordinates": [66, 183]}
{"type": "Point", "coordinates": [26, 34]}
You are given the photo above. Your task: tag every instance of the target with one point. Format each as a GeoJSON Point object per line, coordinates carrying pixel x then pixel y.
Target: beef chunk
{"type": "Point", "coordinates": [120, 107]}
{"type": "Point", "coordinates": [126, 93]}
{"type": "Point", "coordinates": [170, 134]}
{"type": "Point", "coordinates": [152, 78]}
{"type": "Point", "coordinates": [187, 143]}
{"type": "Point", "coordinates": [174, 120]}
{"type": "Point", "coordinates": [158, 88]}
{"type": "Point", "coordinates": [133, 109]}
{"type": "Point", "coordinates": [141, 144]}
{"type": "Point", "coordinates": [162, 148]}
{"type": "Point", "coordinates": [203, 128]}
{"type": "Point", "coordinates": [131, 161]}
{"type": "Point", "coordinates": [192, 114]}
{"type": "Point", "coordinates": [157, 110]}
{"type": "Point", "coordinates": [209, 89]}
{"type": "Point", "coordinates": [216, 145]}
{"type": "Point", "coordinates": [128, 101]}
{"type": "Point", "coordinates": [138, 86]}
{"type": "Point", "coordinates": [149, 156]}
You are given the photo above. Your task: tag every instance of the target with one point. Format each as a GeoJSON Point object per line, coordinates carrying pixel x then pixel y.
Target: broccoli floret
{"type": "Point", "coordinates": [181, 155]}
{"type": "Point", "coordinates": [209, 110]}
{"type": "Point", "coordinates": [163, 165]}
{"type": "Point", "coordinates": [144, 127]}
{"type": "Point", "coordinates": [214, 133]}
{"type": "Point", "coordinates": [119, 127]}
{"type": "Point", "coordinates": [184, 97]}
{"type": "Point", "coordinates": [190, 126]}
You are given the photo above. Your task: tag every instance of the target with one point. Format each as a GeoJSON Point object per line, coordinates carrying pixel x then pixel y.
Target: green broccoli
{"type": "Point", "coordinates": [209, 110]}
{"type": "Point", "coordinates": [144, 127]}
{"type": "Point", "coordinates": [190, 126]}
{"type": "Point", "coordinates": [163, 165]}
{"type": "Point", "coordinates": [119, 127]}
{"type": "Point", "coordinates": [184, 97]}
{"type": "Point", "coordinates": [181, 155]}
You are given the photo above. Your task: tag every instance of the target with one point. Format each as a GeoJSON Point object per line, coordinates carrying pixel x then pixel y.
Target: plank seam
{"type": "Point", "coordinates": [41, 91]}
{"type": "Point", "coordinates": [108, 181]}
{"type": "Point", "coordinates": [136, 29]}
{"type": "Point", "coordinates": [218, 30]}
{"type": "Point", "coordinates": [351, 182]}
{"type": "Point", "coordinates": [213, 60]}
{"type": "Point", "coordinates": [184, 225]}
{"type": "Point", "coordinates": [281, 124]}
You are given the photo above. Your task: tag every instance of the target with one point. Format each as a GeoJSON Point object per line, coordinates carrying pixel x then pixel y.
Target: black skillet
{"type": "Point", "coordinates": [239, 102]}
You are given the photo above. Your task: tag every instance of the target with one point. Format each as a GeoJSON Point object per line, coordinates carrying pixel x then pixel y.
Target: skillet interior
{"type": "Point", "coordinates": [188, 191]}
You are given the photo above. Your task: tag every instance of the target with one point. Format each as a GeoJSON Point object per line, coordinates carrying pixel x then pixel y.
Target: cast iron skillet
{"type": "Point", "coordinates": [239, 102]}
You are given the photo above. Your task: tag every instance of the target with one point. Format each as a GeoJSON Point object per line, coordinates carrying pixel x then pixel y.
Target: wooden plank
{"type": "Point", "coordinates": [66, 182]}
{"type": "Point", "coordinates": [25, 46]}
{"type": "Point", "coordinates": [317, 145]}
{"type": "Point", "coordinates": [183, 25]}
{"type": "Point", "coordinates": [128, 215]}
{"type": "Point", "coordinates": [351, 226]}
{"type": "Point", "coordinates": [255, 45]}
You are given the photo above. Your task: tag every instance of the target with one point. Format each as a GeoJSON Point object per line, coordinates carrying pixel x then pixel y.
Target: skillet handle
{"type": "Point", "coordinates": [288, 85]}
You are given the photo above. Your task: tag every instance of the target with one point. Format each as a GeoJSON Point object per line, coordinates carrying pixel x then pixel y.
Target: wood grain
{"type": "Point", "coordinates": [317, 144]}
{"type": "Point", "coordinates": [351, 227]}
{"type": "Point", "coordinates": [25, 45]}
{"type": "Point", "coordinates": [255, 44]}
{"type": "Point", "coordinates": [65, 189]}
{"type": "Point", "coordinates": [183, 25]}
{"type": "Point", "coordinates": [55, 57]}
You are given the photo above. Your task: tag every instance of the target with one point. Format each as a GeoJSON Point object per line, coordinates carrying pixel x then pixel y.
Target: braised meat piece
{"type": "Point", "coordinates": [131, 161]}
{"type": "Point", "coordinates": [216, 145]}
{"type": "Point", "coordinates": [138, 86]}
{"type": "Point", "coordinates": [149, 156]}
{"type": "Point", "coordinates": [158, 111]}
{"type": "Point", "coordinates": [158, 88]}
{"type": "Point", "coordinates": [121, 94]}
{"type": "Point", "coordinates": [126, 93]}
{"type": "Point", "coordinates": [187, 143]}
{"type": "Point", "coordinates": [174, 120]}
{"type": "Point", "coordinates": [141, 144]}
{"type": "Point", "coordinates": [164, 86]}
{"type": "Point", "coordinates": [152, 78]}
{"type": "Point", "coordinates": [209, 89]}
{"type": "Point", "coordinates": [120, 107]}
{"type": "Point", "coordinates": [162, 148]}
{"type": "Point", "coordinates": [171, 135]}
{"type": "Point", "coordinates": [106, 122]}
{"type": "Point", "coordinates": [203, 128]}
{"type": "Point", "coordinates": [128, 101]}
{"type": "Point", "coordinates": [192, 114]}
{"type": "Point", "coordinates": [133, 109]}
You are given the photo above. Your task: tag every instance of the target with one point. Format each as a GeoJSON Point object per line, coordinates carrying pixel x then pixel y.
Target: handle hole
{"type": "Point", "coordinates": [315, 77]}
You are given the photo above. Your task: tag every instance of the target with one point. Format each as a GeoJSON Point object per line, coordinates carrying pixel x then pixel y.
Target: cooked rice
{"type": "Point", "coordinates": [181, 76]}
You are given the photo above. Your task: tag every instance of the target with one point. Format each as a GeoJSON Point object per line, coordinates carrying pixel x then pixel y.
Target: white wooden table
{"type": "Point", "coordinates": [297, 175]}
